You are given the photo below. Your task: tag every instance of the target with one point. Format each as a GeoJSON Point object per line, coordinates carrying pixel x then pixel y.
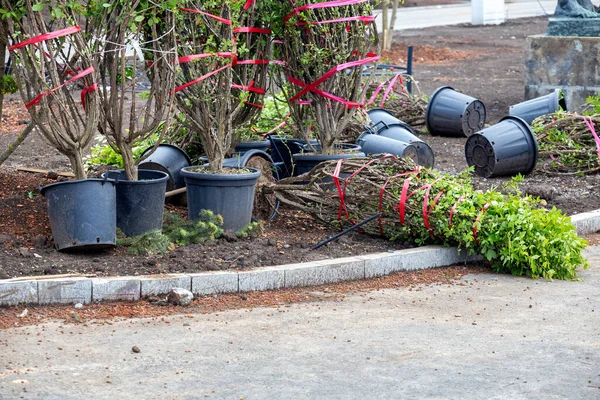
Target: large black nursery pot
{"type": "Point", "coordinates": [282, 150]}
{"type": "Point", "coordinates": [306, 161]}
{"type": "Point", "coordinates": [169, 159]}
{"type": "Point", "coordinates": [375, 144]}
{"type": "Point", "coordinates": [404, 133]}
{"type": "Point", "coordinates": [262, 145]}
{"type": "Point", "coordinates": [141, 203]}
{"type": "Point", "coordinates": [229, 195]}
{"type": "Point", "coordinates": [504, 149]}
{"type": "Point", "coordinates": [450, 113]}
{"type": "Point", "coordinates": [531, 109]}
{"type": "Point", "coordinates": [382, 116]}
{"type": "Point", "coordinates": [82, 214]}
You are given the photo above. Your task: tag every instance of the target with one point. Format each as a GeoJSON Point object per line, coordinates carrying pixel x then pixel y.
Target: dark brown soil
{"type": "Point", "coordinates": [485, 62]}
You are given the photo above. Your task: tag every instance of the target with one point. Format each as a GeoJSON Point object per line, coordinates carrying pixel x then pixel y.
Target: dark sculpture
{"type": "Point", "coordinates": [575, 9]}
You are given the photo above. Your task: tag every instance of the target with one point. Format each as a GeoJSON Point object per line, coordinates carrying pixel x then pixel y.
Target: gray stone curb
{"type": "Point", "coordinates": [129, 288]}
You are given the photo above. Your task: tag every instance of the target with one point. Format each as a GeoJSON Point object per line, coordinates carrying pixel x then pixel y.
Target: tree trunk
{"type": "Point", "coordinates": [390, 38]}
{"type": "Point", "coordinates": [3, 45]}
{"type": "Point", "coordinates": [77, 165]}
{"type": "Point", "coordinates": [384, 23]}
{"type": "Point", "coordinates": [4, 156]}
{"type": "Point", "coordinates": [131, 170]}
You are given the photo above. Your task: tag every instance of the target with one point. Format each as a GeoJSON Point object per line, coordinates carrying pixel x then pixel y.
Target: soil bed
{"type": "Point", "coordinates": [484, 62]}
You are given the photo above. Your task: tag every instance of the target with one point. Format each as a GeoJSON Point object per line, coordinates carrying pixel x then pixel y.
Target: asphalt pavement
{"type": "Point", "coordinates": [488, 337]}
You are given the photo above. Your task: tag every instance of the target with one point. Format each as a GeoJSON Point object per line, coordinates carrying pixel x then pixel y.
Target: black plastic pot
{"type": "Point", "coordinates": [376, 144]}
{"type": "Point", "coordinates": [401, 133]}
{"type": "Point", "coordinates": [381, 115]}
{"type": "Point", "coordinates": [141, 203]}
{"type": "Point", "coordinates": [505, 149]}
{"type": "Point", "coordinates": [229, 195]}
{"type": "Point", "coordinates": [169, 159]}
{"type": "Point", "coordinates": [282, 150]}
{"type": "Point", "coordinates": [262, 145]}
{"type": "Point", "coordinates": [450, 113]}
{"type": "Point", "coordinates": [82, 213]}
{"type": "Point", "coordinates": [531, 109]}
{"type": "Point", "coordinates": [304, 162]}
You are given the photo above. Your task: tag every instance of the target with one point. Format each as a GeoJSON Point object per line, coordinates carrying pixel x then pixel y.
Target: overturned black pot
{"type": "Point", "coordinates": [382, 116]}
{"type": "Point", "coordinates": [141, 203]}
{"type": "Point", "coordinates": [169, 159]}
{"type": "Point", "coordinates": [450, 113]}
{"type": "Point", "coordinates": [404, 133]}
{"type": "Point", "coordinates": [544, 105]}
{"type": "Point", "coordinates": [229, 195]}
{"type": "Point", "coordinates": [82, 214]}
{"type": "Point", "coordinates": [375, 144]}
{"type": "Point", "coordinates": [505, 149]}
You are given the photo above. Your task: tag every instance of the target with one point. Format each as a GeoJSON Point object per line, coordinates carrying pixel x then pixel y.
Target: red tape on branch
{"type": "Point", "coordinates": [349, 104]}
{"type": "Point", "coordinates": [381, 193]}
{"type": "Point", "coordinates": [341, 193]}
{"type": "Point", "coordinates": [80, 75]}
{"type": "Point", "coordinates": [85, 92]}
{"type": "Point", "coordinates": [389, 88]}
{"type": "Point", "coordinates": [248, 29]}
{"type": "Point", "coordinates": [249, 3]}
{"type": "Point", "coordinates": [203, 77]}
{"type": "Point", "coordinates": [249, 88]}
{"type": "Point", "coordinates": [44, 37]}
{"type": "Point", "coordinates": [403, 196]}
{"type": "Point", "coordinates": [426, 209]}
{"type": "Point", "coordinates": [478, 222]}
{"type": "Point", "coordinates": [215, 17]}
{"type": "Point", "coordinates": [364, 18]}
{"type": "Point", "coordinates": [326, 4]}
{"type": "Point", "coordinates": [313, 86]}
{"type": "Point", "coordinates": [453, 210]}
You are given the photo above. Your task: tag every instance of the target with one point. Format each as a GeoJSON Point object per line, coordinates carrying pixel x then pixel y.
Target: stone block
{"type": "Point", "coordinates": [563, 62]}
{"type": "Point", "coordinates": [270, 278]}
{"type": "Point", "coordinates": [65, 291]}
{"type": "Point", "coordinates": [21, 292]}
{"type": "Point", "coordinates": [586, 223]}
{"type": "Point", "coordinates": [382, 264]}
{"type": "Point", "coordinates": [215, 282]}
{"type": "Point", "coordinates": [120, 288]}
{"type": "Point", "coordinates": [162, 284]}
{"type": "Point", "coordinates": [324, 271]}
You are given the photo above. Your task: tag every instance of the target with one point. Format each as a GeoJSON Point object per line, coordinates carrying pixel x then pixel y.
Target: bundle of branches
{"type": "Point", "coordinates": [325, 51]}
{"type": "Point", "coordinates": [430, 207]}
{"type": "Point", "coordinates": [51, 57]}
{"type": "Point", "coordinates": [224, 55]}
{"type": "Point", "coordinates": [569, 143]}
{"type": "Point", "coordinates": [394, 97]}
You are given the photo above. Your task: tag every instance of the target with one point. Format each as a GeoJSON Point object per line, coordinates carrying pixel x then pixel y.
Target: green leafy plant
{"type": "Point", "coordinates": [148, 243]}
{"type": "Point", "coordinates": [103, 153]}
{"type": "Point", "coordinates": [251, 230]}
{"type": "Point", "coordinates": [429, 207]}
{"type": "Point", "coordinates": [8, 84]}
{"type": "Point", "coordinates": [181, 232]}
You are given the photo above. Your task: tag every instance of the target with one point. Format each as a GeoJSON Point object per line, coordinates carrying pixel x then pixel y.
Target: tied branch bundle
{"type": "Point", "coordinates": [429, 207]}
{"type": "Point", "coordinates": [567, 145]}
